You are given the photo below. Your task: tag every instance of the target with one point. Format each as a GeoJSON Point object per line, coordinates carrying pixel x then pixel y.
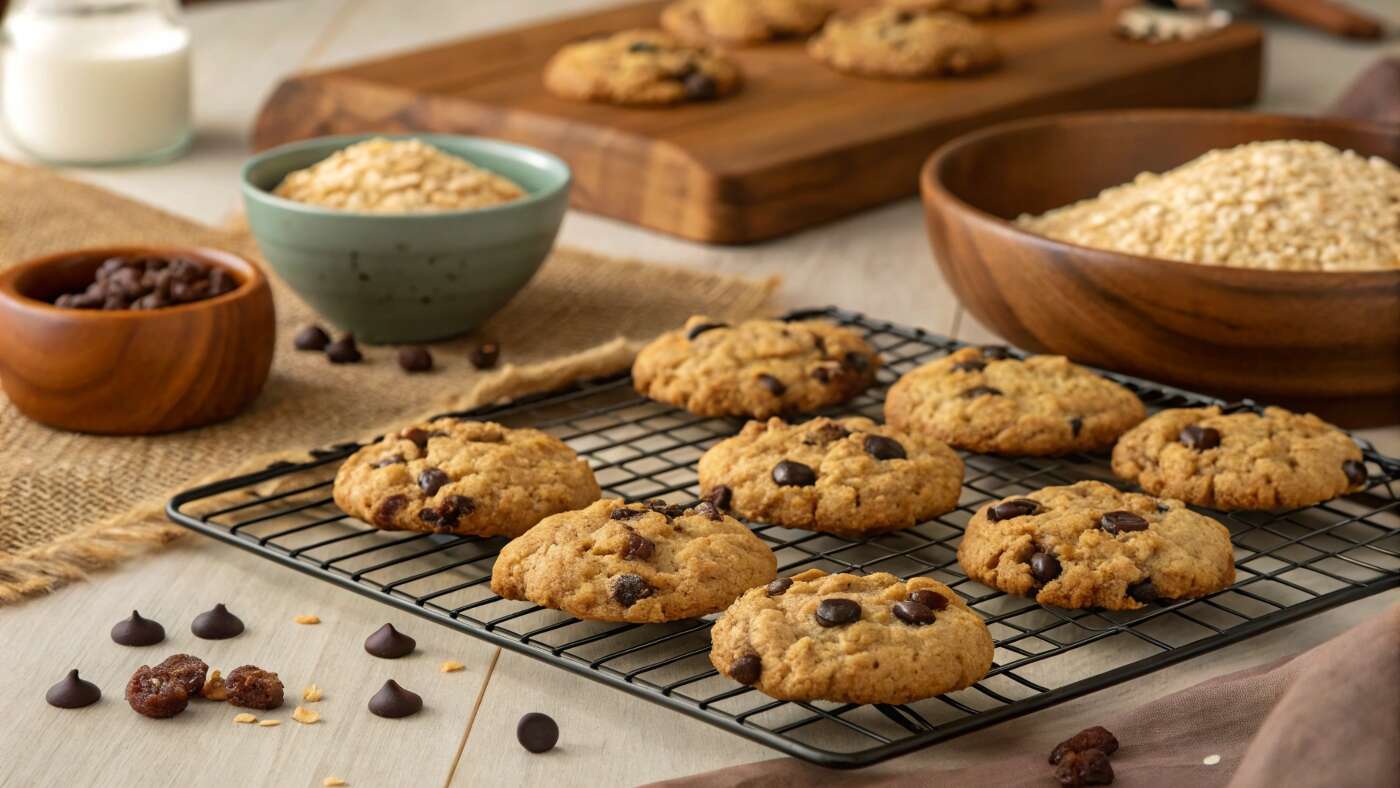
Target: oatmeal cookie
{"type": "Point", "coordinates": [903, 44]}
{"type": "Point", "coordinates": [851, 639]}
{"type": "Point", "coordinates": [456, 476]}
{"type": "Point", "coordinates": [972, 8]}
{"type": "Point", "coordinates": [743, 21]}
{"type": "Point", "coordinates": [640, 67]}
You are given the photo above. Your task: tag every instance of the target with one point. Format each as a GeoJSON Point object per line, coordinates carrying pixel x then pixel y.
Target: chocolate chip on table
{"type": "Point", "coordinates": [700, 86]}
{"type": "Point", "coordinates": [485, 355]}
{"type": "Point", "coordinates": [1144, 592]}
{"type": "Point", "coordinates": [1044, 567]}
{"type": "Point", "coordinates": [388, 509]}
{"type": "Point", "coordinates": [1194, 436]}
{"type": "Point", "coordinates": [216, 624]}
{"type": "Point", "coordinates": [995, 352]}
{"type": "Point", "coordinates": [1076, 425]}
{"type": "Point", "coordinates": [155, 693]}
{"type": "Point", "coordinates": [970, 365]}
{"type": "Point", "coordinates": [789, 473]}
{"type": "Point", "coordinates": [1089, 767]}
{"type": "Point", "coordinates": [415, 359]}
{"type": "Point", "coordinates": [537, 732]}
{"type": "Point", "coordinates": [772, 384]}
{"type": "Point", "coordinates": [1355, 472]}
{"type": "Point", "coordinates": [702, 328]}
{"type": "Point", "coordinates": [393, 701]}
{"type": "Point", "coordinates": [344, 351]}
{"type": "Point", "coordinates": [137, 631]}
{"type": "Point", "coordinates": [882, 448]}
{"type": "Point", "coordinates": [721, 496]}
{"type": "Point", "coordinates": [629, 588]}
{"type": "Point", "coordinates": [638, 548]}
{"type": "Point", "coordinates": [911, 612]}
{"type": "Point", "coordinates": [431, 480]}
{"type": "Point", "coordinates": [981, 391]}
{"type": "Point", "coordinates": [389, 643]}
{"type": "Point", "coordinates": [780, 586]}
{"type": "Point", "coordinates": [1016, 507]}
{"type": "Point", "coordinates": [746, 669]}
{"type": "Point", "coordinates": [189, 671]}
{"type": "Point", "coordinates": [837, 612]}
{"type": "Point", "coordinates": [929, 599]}
{"type": "Point", "coordinates": [1122, 522]}
{"type": "Point", "coordinates": [1095, 738]}
{"type": "Point", "coordinates": [73, 692]}
{"type": "Point", "coordinates": [311, 338]}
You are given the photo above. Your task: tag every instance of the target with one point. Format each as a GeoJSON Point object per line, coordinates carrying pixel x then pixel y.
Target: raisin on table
{"type": "Point", "coordinates": [254, 688]}
{"type": "Point", "coordinates": [154, 692]}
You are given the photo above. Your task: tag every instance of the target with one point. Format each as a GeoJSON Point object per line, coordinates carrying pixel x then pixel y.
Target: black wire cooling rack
{"type": "Point", "coordinates": [1290, 565]}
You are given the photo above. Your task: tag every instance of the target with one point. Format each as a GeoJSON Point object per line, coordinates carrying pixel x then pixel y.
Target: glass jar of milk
{"type": "Point", "coordinates": [96, 81]}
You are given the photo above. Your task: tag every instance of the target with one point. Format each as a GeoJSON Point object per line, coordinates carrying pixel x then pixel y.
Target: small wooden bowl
{"type": "Point", "coordinates": [1303, 338]}
{"type": "Point", "coordinates": [132, 372]}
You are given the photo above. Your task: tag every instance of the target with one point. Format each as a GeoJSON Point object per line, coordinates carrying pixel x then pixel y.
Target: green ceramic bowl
{"type": "Point", "coordinates": [395, 278]}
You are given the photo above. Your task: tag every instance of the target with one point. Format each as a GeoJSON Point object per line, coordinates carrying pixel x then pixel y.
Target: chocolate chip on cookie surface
{"type": "Point", "coordinates": [901, 43]}
{"type": "Point", "coordinates": [757, 368]}
{"type": "Point", "coordinates": [852, 639]}
{"type": "Point", "coordinates": [640, 67]}
{"type": "Point", "coordinates": [845, 476]}
{"type": "Point", "coordinates": [986, 401]}
{"type": "Point", "coordinates": [463, 477]}
{"type": "Point", "coordinates": [643, 563]}
{"type": "Point", "coordinates": [1090, 545]}
{"type": "Point", "coordinates": [743, 21]}
{"type": "Point", "coordinates": [1230, 461]}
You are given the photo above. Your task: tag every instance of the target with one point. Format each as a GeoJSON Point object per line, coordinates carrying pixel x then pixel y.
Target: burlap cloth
{"type": "Point", "coordinates": [72, 503]}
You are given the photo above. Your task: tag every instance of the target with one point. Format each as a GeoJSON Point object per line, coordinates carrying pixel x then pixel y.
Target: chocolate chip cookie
{"type": "Point", "coordinates": [1090, 545]}
{"type": "Point", "coordinates": [973, 8]}
{"type": "Point", "coordinates": [900, 43]}
{"type": "Point", "coordinates": [743, 21]}
{"type": "Point", "coordinates": [453, 476]}
{"type": "Point", "coordinates": [851, 639]}
{"type": "Point", "coordinates": [984, 400]}
{"type": "Point", "coordinates": [640, 67]}
{"type": "Point", "coordinates": [1230, 461]}
{"type": "Point", "coordinates": [844, 476]}
{"type": "Point", "coordinates": [644, 563]}
{"type": "Point", "coordinates": [757, 368]}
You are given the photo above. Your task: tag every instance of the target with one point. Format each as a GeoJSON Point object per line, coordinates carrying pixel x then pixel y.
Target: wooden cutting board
{"type": "Point", "coordinates": [800, 145]}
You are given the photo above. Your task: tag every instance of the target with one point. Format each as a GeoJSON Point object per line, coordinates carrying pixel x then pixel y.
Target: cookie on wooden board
{"type": "Point", "coordinates": [640, 67]}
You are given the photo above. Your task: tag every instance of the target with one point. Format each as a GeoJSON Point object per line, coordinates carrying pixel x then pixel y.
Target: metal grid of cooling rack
{"type": "Point", "coordinates": [1290, 565]}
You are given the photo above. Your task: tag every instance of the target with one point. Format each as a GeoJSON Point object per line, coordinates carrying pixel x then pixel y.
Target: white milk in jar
{"type": "Point", "coordinates": [94, 81]}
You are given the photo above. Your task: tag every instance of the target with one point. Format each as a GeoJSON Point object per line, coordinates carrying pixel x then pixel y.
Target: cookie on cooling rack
{"type": "Point", "coordinates": [643, 562]}
{"type": "Point", "coordinates": [1229, 461]}
{"type": "Point", "coordinates": [851, 639]}
{"type": "Point", "coordinates": [844, 476]}
{"type": "Point", "coordinates": [987, 401]}
{"type": "Point", "coordinates": [1088, 545]}
{"type": "Point", "coordinates": [454, 476]}
{"type": "Point", "coordinates": [756, 368]}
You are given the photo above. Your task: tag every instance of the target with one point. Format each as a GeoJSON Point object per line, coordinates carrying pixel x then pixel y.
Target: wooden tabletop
{"type": "Point", "coordinates": [877, 262]}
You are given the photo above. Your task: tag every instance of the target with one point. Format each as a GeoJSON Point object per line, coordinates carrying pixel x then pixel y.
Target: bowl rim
{"type": "Point", "coordinates": [251, 279]}
{"type": "Point", "coordinates": [335, 142]}
{"type": "Point", "coordinates": [931, 185]}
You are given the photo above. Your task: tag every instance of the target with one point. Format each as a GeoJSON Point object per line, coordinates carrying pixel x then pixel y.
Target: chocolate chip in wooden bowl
{"type": "Point", "coordinates": [537, 732]}
{"type": "Point", "coordinates": [628, 589]}
{"type": "Point", "coordinates": [217, 624]}
{"type": "Point", "coordinates": [702, 328]}
{"type": "Point", "coordinates": [1194, 436]}
{"type": "Point", "coordinates": [149, 282]}
{"type": "Point", "coordinates": [137, 631]}
{"type": "Point", "coordinates": [746, 669]}
{"type": "Point", "coordinates": [1095, 738]}
{"type": "Point", "coordinates": [772, 385]}
{"type": "Point", "coordinates": [981, 391]}
{"type": "Point", "coordinates": [344, 351]}
{"type": "Point", "coordinates": [837, 612]}
{"type": "Point", "coordinates": [389, 643]}
{"type": "Point", "coordinates": [73, 692]}
{"type": "Point", "coordinates": [1016, 507]}
{"type": "Point", "coordinates": [430, 480]}
{"type": "Point", "coordinates": [415, 359]}
{"type": "Point", "coordinates": [1355, 472]}
{"type": "Point", "coordinates": [1044, 567]}
{"type": "Point", "coordinates": [790, 473]}
{"type": "Point", "coordinates": [394, 702]}
{"type": "Point", "coordinates": [311, 337]}
{"type": "Point", "coordinates": [883, 448]}
{"type": "Point", "coordinates": [930, 599]}
{"type": "Point", "coordinates": [1122, 522]}
{"type": "Point", "coordinates": [779, 586]}
{"type": "Point", "coordinates": [638, 547]}
{"type": "Point", "coordinates": [485, 355]}
{"type": "Point", "coordinates": [913, 613]}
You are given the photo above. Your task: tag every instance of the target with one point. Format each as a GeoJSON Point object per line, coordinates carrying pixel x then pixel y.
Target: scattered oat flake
{"type": "Point", "coordinates": [307, 619]}
{"type": "Point", "coordinates": [270, 723]}
{"type": "Point", "coordinates": [245, 718]}
{"type": "Point", "coordinates": [452, 666]}
{"type": "Point", "coordinates": [1211, 760]}
{"type": "Point", "coordinates": [330, 782]}
{"type": "Point", "coordinates": [305, 716]}
{"type": "Point", "coordinates": [214, 688]}
{"type": "Point", "coordinates": [311, 694]}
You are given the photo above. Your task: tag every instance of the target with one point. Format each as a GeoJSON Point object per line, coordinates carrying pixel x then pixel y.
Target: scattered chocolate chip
{"type": "Point", "coordinates": [707, 509]}
{"type": "Point", "coordinates": [252, 687]}
{"type": "Point", "coordinates": [1076, 425]}
{"type": "Point", "coordinates": [216, 624]}
{"type": "Point", "coordinates": [389, 643]}
{"type": "Point", "coordinates": [537, 732]}
{"type": "Point", "coordinates": [981, 391]}
{"type": "Point", "coordinates": [431, 480]}
{"type": "Point", "coordinates": [415, 359]}
{"type": "Point", "coordinates": [995, 352]}
{"type": "Point", "coordinates": [702, 328]}
{"type": "Point", "coordinates": [485, 355]}
{"type": "Point", "coordinates": [793, 474]}
{"type": "Point", "coordinates": [73, 692]}
{"type": "Point", "coordinates": [855, 360]}
{"type": "Point", "coordinates": [1095, 738]}
{"type": "Point", "coordinates": [1144, 592]}
{"type": "Point", "coordinates": [344, 351]}
{"type": "Point", "coordinates": [393, 701]}
{"type": "Point", "coordinates": [627, 513]}
{"type": "Point", "coordinates": [1122, 522]}
{"type": "Point", "coordinates": [970, 365]}
{"type": "Point", "coordinates": [911, 612]}
{"type": "Point", "coordinates": [384, 462]}
{"type": "Point", "coordinates": [155, 693]}
{"type": "Point", "coordinates": [772, 384]}
{"type": "Point", "coordinates": [700, 86]}
{"type": "Point", "coordinates": [1355, 472]}
{"type": "Point", "coordinates": [311, 338]}
{"type": "Point", "coordinates": [1090, 767]}
{"type": "Point", "coordinates": [639, 548]}
{"type": "Point", "coordinates": [1044, 567]}
{"type": "Point", "coordinates": [929, 599]}
{"type": "Point", "coordinates": [779, 586]}
{"type": "Point", "coordinates": [1194, 436]}
{"type": "Point", "coordinates": [629, 588]}
{"type": "Point", "coordinates": [389, 509]}
{"type": "Point", "coordinates": [836, 612]}
{"type": "Point", "coordinates": [1016, 507]}
{"type": "Point", "coordinates": [137, 631]}
{"type": "Point", "coordinates": [721, 496]}
{"type": "Point", "coordinates": [189, 671]}
{"type": "Point", "coordinates": [882, 448]}
{"type": "Point", "coordinates": [746, 669]}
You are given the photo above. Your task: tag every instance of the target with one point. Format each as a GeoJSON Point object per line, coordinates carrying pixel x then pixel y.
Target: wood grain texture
{"type": "Point", "coordinates": [124, 372]}
{"type": "Point", "coordinates": [800, 145]}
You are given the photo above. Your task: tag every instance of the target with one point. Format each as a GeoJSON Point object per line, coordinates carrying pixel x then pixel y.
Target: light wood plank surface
{"type": "Point", "coordinates": [877, 262]}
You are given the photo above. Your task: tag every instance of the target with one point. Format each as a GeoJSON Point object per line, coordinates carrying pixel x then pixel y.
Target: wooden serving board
{"type": "Point", "coordinates": [799, 145]}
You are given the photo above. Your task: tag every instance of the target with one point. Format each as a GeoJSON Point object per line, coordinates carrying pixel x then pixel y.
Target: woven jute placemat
{"type": "Point", "coordinates": [73, 503]}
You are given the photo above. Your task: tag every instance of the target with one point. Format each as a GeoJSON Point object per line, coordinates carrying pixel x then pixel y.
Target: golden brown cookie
{"type": "Point", "coordinates": [843, 476]}
{"type": "Point", "coordinates": [984, 400]}
{"type": "Point", "coordinates": [743, 21]}
{"type": "Point", "coordinates": [455, 476]}
{"type": "Point", "coordinates": [640, 67]}
{"type": "Point", "coordinates": [851, 639]}
{"type": "Point", "coordinates": [972, 8]}
{"type": "Point", "coordinates": [1278, 460]}
{"type": "Point", "coordinates": [644, 563]}
{"type": "Point", "coordinates": [1090, 545]}
{"type": "Point", "coordinates": [902, 44]}
{"type": "Point", "coordinates": [757, 368]}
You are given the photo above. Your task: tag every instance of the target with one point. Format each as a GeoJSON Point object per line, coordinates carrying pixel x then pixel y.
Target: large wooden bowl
{"type": "Point", "coordinates": [1313, 339]}
{"type": "Point", "coordinates": [132, 372]}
